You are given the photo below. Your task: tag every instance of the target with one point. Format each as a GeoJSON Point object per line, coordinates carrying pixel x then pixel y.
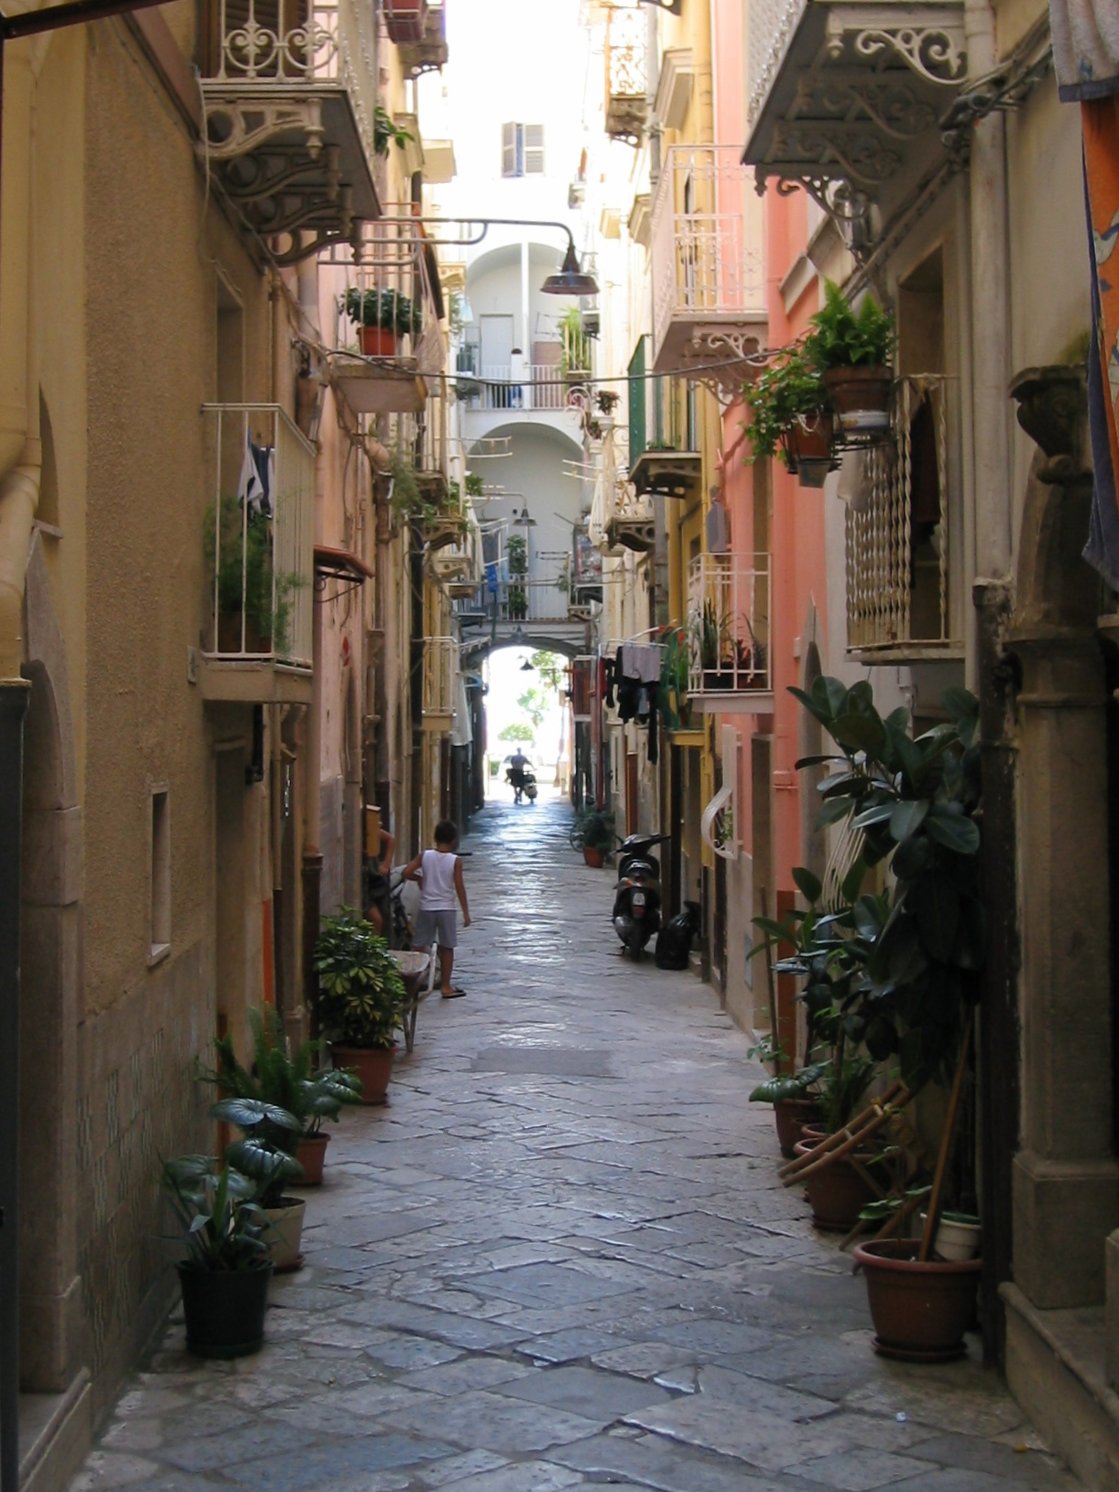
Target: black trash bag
{"type": "Point", "coordinates": [674, 941]}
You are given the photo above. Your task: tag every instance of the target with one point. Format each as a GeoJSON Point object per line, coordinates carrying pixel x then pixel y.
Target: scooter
{"type": "Point", "coordinates": [523, 782]}
{"type": "Point", "coordinates": [637, 898]}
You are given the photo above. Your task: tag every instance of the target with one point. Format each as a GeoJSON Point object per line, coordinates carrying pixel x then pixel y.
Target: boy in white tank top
{"type": "Point", "coordinates": [439, 872]}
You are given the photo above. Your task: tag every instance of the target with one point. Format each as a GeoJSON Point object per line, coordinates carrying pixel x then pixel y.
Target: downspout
{"type": "Point", "coordinates": [20, 471]}
{"type": "Point", "coordinates": [990, 300]}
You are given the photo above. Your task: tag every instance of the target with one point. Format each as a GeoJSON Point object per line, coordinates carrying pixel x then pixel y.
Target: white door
{"type": "Point", "coordinates": [496, 336]}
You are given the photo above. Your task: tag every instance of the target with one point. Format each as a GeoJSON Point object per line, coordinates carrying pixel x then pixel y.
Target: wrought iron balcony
{"type": "Point", "coordinates": [627, 102]}
{"type": "Point", "coordinates": [428, 52]}
{"type": "Point", "coordinates": [899, 554]}
{"type": "Point", "coordinates": [386, 334]}
{"type": "Point", "coordinates": [708, 289]}
{"type": "Point", "coordinates": [258, 543]}
{"type": "Point", "coordinates": [405, 20]}
{"type": "Point", "coordinates": [289, 91]}
{"type": "Point", "coordinates": [728, 634]}
{"type": "Point", "coordinates": [845, 98]}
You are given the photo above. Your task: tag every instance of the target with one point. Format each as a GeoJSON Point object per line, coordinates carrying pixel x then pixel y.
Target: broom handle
{"type": "Point", "coordinates": [945, 1148]}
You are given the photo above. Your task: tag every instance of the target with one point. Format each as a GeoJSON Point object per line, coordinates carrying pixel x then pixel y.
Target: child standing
{"type": "Point", "coordinates": [439, 872]}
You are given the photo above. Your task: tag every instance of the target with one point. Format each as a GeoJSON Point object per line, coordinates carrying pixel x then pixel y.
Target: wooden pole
{"type": "Point", "coordinates": [946, 1139]}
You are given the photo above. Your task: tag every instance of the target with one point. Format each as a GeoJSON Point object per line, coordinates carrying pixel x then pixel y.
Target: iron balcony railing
{"type": "Point", "coordinates": [899, 500]}
{"type": "Point", "coordinates": [728, 624]}
{"type": "Point", "coordinates": [258, 538]}
{"type": "Point", "coordinates": [266, 43]}
{"type": "Point", "coordinates": [391, 285]}
{"type": "Point", "coordinates": [706, 240]}
{"type": "Point", "coordinates": [627, 88]}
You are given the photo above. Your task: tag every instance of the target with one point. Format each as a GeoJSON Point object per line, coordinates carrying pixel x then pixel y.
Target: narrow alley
{"type": "Point", "coordinates": [561, 1257]}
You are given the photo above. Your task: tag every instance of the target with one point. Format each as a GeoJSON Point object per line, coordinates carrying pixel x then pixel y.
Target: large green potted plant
{"type": "Point", "coordinates": [915, 802]}
{"type": "Point", "coordinates": [382, 315]}
{"type": "Point", "coordinates": [854, 350]}
{"type": "Point", "coordinates": [360, 1001]}
{"type": "Point", "coordinates": [266, 1153]}
{"type": "Point", "coordinates": [294, 1082]}
{"type": "Point", "coordinates": [790, 416]}
{"type": "Point", "coordinates": [225, 1272]}
{"type": "Point", "coordinates": [594, 830]}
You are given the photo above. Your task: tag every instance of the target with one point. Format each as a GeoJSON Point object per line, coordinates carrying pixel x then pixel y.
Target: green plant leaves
{"type": "Point", "coordinates": [808, 884]}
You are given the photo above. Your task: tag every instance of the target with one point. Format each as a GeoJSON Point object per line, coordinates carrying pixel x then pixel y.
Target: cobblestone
{"type": "Point", "coordinates": [561, 1257]}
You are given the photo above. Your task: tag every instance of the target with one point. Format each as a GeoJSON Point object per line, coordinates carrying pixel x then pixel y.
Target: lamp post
{"type": "Point", "coordinates": [569, 279]}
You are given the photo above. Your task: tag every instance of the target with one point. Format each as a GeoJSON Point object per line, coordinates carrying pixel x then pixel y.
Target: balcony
{"type": "Point", "coordinates": [845, 98]}
{"type": "Point", "coordinates": [440, 680]}
{"type": "Point", "coordinates": [898, 539]}
{"type": "Point", "coordinates": [728, 634]}
{"type": "Point", "coordinates": [258, 543]}
{"type": "Point", "coordinates": [705, 245]}
{"type": "Point", "coordinates": [458, 566]}
{"type": "Point", "coordinates": [289, 91]}
{"type": "Point", "coordinates": [386, 332]}
{"type": "Point", "coordinates": [428, 52]}
{"type": "Point", "coordinates": [627, 101]}
{"type": "Point", "coordinates": [664, 473]}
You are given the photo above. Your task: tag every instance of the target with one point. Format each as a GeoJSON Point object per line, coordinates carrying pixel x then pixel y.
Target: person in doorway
{"type": "Point", "coordinates": [439, 872]}
{"type": "Point", "coordinates": [515, 775]}
{"type": "Point", "coordinates": [376, 875]}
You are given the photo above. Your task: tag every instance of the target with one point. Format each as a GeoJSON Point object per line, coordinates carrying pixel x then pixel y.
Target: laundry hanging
{"type": "Point", "coordinates": [258, 479]}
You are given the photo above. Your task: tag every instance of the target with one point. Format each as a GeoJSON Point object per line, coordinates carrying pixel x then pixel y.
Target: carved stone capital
{"type": "Point", "coordinates": [1052, 410]}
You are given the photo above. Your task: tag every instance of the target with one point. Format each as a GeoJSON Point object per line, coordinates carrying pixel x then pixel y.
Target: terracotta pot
{"type": "Point", "coordinates": [378, 341]}
{"type": "Point", "coordinates": [790, 1116]}
{"type": "Point", "coordinates": [311, 1153]}
{"type": "Point", "coordinates": [594, 857]}
{"type": "Point", "coordinates": [285, 1234]}
{"type": "Point", "coordinates": [920, 1310]}
{"type": "Point", "coordinates": [373, 1066]}
{"type": "Point", "coordinates": [807, 442]}
{"type": "Point", "coordinates": [860, 398]}
{"type": "Point", "coordinates": [837, 1193]}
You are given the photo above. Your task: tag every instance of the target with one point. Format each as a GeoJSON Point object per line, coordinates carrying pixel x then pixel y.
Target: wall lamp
{"type": "Point", "coordinates": [569, 279]}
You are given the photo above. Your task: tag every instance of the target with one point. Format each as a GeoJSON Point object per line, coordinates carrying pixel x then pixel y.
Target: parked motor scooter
{"type": "Point", "coordinates": [523, 782]}
{"type": "Point", "coordinates": [637, 898]}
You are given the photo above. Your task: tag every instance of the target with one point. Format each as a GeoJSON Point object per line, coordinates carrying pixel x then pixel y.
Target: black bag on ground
{"type": "Point", "coordinates": [674, 941]}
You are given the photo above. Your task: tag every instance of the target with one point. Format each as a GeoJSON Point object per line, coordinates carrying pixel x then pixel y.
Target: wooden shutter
{"type": "Point", "coordinates": [509, 150]}
{"type": "Point", "coordinates": [534, 149]}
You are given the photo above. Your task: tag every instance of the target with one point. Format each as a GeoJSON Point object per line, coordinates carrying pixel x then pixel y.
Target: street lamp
{"type": "Point", "coordinates": [569, 279]}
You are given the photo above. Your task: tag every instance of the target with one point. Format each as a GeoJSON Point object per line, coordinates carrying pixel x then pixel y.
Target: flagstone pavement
{"type": "Point", "coordinates": [561, 1258]}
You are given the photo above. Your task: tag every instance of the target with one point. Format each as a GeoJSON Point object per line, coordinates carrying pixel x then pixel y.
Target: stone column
{"type": "Point", "coordinates": [1066, 1179]}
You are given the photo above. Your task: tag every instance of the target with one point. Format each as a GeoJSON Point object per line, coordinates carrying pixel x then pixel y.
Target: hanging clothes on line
{"type": "Point", "coordinates": [637, 673]}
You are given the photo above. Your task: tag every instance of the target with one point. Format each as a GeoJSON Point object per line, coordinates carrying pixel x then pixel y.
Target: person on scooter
{"type": "Point", "coordinates": [515, 776]}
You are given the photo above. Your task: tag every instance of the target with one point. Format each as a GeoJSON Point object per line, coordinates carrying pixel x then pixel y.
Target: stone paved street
{"type": "Point", "coordinates": [562, 1258]}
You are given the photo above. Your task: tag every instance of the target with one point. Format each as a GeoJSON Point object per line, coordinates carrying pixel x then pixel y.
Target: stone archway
{"type": "Point", "coordinates": [55, 1127]}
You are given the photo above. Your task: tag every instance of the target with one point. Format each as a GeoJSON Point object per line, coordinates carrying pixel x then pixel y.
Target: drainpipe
{"type": "Point", "coordinates": [20, 465]}
{"type": "Point", "coordinates": [990, 300]}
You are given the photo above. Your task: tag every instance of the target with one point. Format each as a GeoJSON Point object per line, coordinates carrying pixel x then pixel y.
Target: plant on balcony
{"type": "Point", "coordinates": [387, 133]}
{"type": "Point", "coordinates": [254, 604]}
{"type": "Point", "coordinates": [854, 350]}
{"type": "Point", "coordinates": [789, 411]}
{"type": "Point", "coordinates": [382, 315]}
{"type": "Point", "coordinates": [575, 347]}
{"type": "Point", "coordinates": [673, 695]}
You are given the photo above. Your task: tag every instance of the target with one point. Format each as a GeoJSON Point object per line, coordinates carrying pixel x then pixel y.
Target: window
{"type": "Point", "coordinates": [160, 917]}
{"type": "Point", "coordinates": [522, 149]}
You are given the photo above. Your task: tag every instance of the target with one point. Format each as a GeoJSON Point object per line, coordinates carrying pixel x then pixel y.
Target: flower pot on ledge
{"type": "Point", "coordinates": [860, 398]}
{"type": "Point", "coordinates": [378, 341]}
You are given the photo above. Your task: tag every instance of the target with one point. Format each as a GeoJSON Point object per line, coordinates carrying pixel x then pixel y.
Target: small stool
{"type": "Point", "coordinates": [415, 967]}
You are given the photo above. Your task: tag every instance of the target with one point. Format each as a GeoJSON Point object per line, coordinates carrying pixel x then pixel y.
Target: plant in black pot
{"type": "Point", "coordinates": [854, 349]}
{"type": "Point", "coordinates": [224, 1275]}
{"type": "Point", "coordinates": [382, 315]}
{"type": "Point", "coordinates": [361, 999]}
{"type": "Point", "coordinates": [266, 1154]}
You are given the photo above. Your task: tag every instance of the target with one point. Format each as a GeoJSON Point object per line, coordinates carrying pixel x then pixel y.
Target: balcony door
{"type": "Point", "coordinates": [496, 344]}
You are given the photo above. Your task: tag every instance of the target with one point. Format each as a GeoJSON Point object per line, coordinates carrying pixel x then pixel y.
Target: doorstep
{"type": "Point", "coordinates": [1055, 1368]}
{"type": "Point", "coordinates": [55, 1433]}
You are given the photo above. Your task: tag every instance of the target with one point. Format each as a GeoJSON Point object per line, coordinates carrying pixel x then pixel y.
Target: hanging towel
{"type": "Point", "coordinates": [258, 476]}
{"type": "Point", "coordinates": [1085, 48]}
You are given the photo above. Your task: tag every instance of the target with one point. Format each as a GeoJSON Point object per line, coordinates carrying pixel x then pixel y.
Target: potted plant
{"type": "Point", "coordinates": [294, 1083]}
{"type": "Point", "coordinates": [254, 602]}
{"type": "Point", "coordinates": [854, 351]}
{"type": "Point", "coordinates": [914, 801]}
{"type": "Point", "coordinates": [387, 133]}
{"type": "Point", "coordinates": [790, 416]}
{"type": "Point", "coordinates": [595, 830]}
{"type": "Point", "coordinates": [361, 999]}
{"type": "Point", "coordinates": [266, 1154]}
{"type": "Point", "coordinates": [224, 1276]}
{"type": "Point", "coordinates": [383, 315]}
{"type": "Point", "coordinates": [516, 553]}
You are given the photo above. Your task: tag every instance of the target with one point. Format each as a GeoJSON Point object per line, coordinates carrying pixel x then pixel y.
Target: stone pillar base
{"type": "Point", "coordinates": [1063, 1212]}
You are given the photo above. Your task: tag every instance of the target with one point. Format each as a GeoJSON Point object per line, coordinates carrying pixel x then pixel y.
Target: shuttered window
{"type": "Point", "coordinates": [522, 149]}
